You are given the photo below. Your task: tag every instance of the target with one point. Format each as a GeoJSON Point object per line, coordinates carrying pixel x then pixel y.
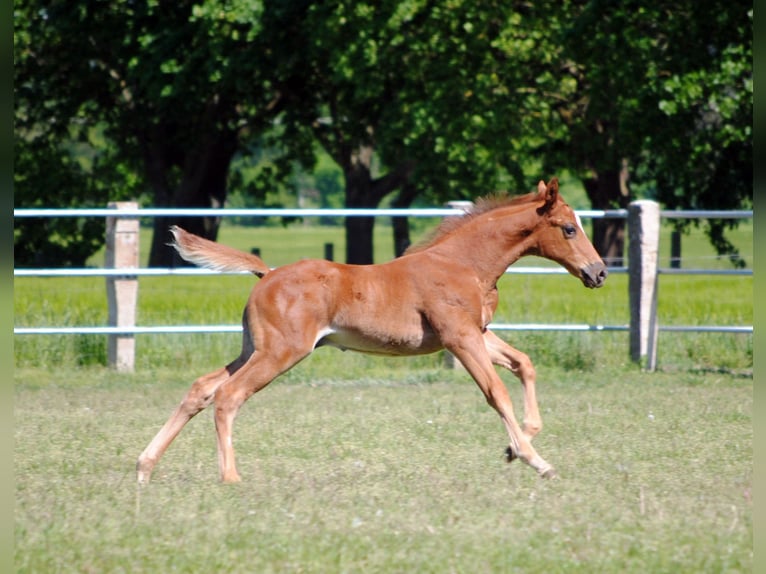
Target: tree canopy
{"type": "Point", "coordinates": [175, 86]}
{"type": "Point", "coordinates": [410, 98]}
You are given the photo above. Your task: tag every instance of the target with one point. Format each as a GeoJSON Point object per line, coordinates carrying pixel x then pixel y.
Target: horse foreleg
{"type": "Point", "coordinates": [197, 399]}
{"type": "Point", "coordinates": [502, 354]}
{"type": "Point", "coordinates": [474, 356]}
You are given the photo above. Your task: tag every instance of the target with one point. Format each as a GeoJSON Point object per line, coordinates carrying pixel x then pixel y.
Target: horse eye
{"type": "Point", "coordinates": [569, 230]}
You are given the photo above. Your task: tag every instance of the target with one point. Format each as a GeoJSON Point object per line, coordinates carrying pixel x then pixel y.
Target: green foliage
{"type": "Point", "coordinates": [666, 87]}
{"type": "Point", "coordinates": [47, 177]}
{"type": "Point", "coordinates": [266, 178]}
{"type": "Point", "coordinates": [422, 83]}
{"type": "Point", "coordinates": [77, 172]}
{"type": "Point", "coordinates": [702, 153]}
{"type": "Point", "coordinates": [172, 86]}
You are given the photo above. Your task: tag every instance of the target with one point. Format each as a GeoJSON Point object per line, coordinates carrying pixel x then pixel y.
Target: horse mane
{"type": "Point", "coordinates": [480, 206]}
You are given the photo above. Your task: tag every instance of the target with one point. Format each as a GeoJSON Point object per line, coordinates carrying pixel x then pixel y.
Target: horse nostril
{"type": "Point", "coordinates": [595, 275]}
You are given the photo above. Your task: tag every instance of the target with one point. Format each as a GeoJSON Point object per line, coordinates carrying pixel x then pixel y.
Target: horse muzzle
{"type": "Point", "coordinates": [594, 275]}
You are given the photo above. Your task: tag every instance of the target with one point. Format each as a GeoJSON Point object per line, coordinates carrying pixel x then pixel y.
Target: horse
{"type": "Point", "coordinates": [440, 294]}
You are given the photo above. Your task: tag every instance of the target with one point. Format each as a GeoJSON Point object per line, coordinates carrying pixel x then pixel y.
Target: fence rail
{"type": "Point", "coordinates": [344, 212]}
{"type": "Point", "coordinates": [180, 329]}
{"type": "Point", "coordinates": [160, 271]}
{"type": "Point", "coordinates": [643, 269]}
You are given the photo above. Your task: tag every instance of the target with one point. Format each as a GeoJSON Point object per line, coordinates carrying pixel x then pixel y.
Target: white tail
{"type": "Point", "coordinates": [212, 255]}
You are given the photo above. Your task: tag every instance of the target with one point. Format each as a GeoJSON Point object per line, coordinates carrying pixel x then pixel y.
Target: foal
{"type": "Point", "coordinates": [438, 295]}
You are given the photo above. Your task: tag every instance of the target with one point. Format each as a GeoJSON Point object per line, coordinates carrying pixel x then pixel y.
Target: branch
{"type": "Point", "coordinates": [332, 138]}
{"type": "Point", "coordinates": [394, 179]}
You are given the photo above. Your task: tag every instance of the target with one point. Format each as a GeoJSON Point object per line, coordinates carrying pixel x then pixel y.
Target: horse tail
{"type": "Point", "coordinates": [212, 255]}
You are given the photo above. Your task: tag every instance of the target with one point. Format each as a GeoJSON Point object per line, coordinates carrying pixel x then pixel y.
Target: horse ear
{"type": "Point", "coordinates": [549, 193]}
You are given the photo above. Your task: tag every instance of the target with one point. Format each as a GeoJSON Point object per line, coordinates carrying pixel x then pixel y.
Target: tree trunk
{"type": "Point", "coordinates": [359, 230]}
{"type": "Point", "coordinates": [362, 191]}
{"type": "Point", "coordinates": [203, 185]}
{"type": "Point", "coordinates": [401, 225]}
{"type": "Point", "coordinates": [609, 190]}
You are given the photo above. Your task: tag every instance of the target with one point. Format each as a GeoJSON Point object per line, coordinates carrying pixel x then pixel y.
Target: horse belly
{"type": "Point", "coordinates": [418, 342]}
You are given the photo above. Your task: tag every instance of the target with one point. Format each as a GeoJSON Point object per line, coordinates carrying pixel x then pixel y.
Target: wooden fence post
{"type": "Point", "coordinates": [122, 290]}
{"type": "Point", "coordinates": [643, 261]}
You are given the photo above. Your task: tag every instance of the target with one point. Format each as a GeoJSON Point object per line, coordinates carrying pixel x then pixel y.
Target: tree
{"type": "Point", "coordinates": [59, 161]}
{"type": "Point", "coordinates": [411, 98]}
{"type": "Point", "coordinates": [343, 94]}
{"type": "Point", "coordinates": [173, 84]}
{"type": "Point", "coordinates": [181, 89]}
{"type": "Point", "coordinates": [630, 86]}
{"type": "Point", "coordinates": [417, 87]}
{"type": "Point", "coordinates": [47, 174]}
{"type": "Point", "coordinates": [702, 153]}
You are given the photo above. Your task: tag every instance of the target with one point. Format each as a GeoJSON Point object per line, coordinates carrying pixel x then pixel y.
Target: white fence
{"type": "Point", "coordinates": [122, 272]}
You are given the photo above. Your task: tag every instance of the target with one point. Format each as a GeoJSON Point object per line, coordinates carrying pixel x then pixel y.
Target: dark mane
{"type": "Point", "coordinates": [480, 206]}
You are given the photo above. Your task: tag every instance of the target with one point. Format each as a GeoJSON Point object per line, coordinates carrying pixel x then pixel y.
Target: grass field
{"type": "Point", "coordinates": [361, 464]}
{"type": "Point", "coordinates": [387, 475]}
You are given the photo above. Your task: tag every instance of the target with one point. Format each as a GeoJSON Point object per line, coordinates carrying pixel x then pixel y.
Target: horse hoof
{"type": "Point", "coordinates": [143, 472]}
{"type": "Point", "coordinates": [231, 478]}
{"type": "Point", "coordinates": [510, 456]}
{"type": "Point", "coordinates": [549, 473]}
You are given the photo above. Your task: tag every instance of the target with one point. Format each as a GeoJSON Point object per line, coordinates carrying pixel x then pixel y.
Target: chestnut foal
{"type": "Point", "coordinates": [438, 295]}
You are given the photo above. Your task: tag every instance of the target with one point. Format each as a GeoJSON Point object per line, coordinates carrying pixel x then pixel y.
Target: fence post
{"type": "Point", "coordinates": [122, 291]}
{"type": "Point", "coordinates": [643, 260]}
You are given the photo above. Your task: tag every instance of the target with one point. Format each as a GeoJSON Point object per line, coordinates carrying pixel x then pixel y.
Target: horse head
{"type": "Point", "coordinates": [560, 237]}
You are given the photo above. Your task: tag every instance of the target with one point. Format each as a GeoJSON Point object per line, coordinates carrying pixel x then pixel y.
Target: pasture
{"type": "Point", "coordinates": [387, 475]}
{"type": "Point", "coordinates": [353, 463]}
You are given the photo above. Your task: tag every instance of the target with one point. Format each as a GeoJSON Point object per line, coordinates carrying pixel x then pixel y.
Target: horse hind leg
{"type": "Point", "coordinates": [262, 367]}
{"type": "Point", "coordinates": [199, 396]}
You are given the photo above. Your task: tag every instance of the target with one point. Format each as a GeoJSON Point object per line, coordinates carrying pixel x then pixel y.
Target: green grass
{"type": "Point", "coordinates": [375, 475]}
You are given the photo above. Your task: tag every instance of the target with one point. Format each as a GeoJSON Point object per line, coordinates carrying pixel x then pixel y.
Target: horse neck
{"type": "Point", "coordinates": [494, 240]}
